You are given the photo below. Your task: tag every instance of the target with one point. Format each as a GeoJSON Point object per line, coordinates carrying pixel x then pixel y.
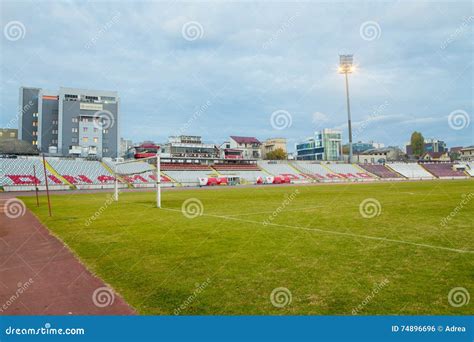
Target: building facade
{"type": "Point", "coordinates": [70, 122]}
{"type": "Point", "coordinates": [273, 144]}
{"type": "Point", "coordinates": [380, 155]}
{"type": "Point", "coordinates": [325, 145]}
{"type": "Point", "coordinates": [359, 147]}
{"type": "Point", "coordinates": [125, 145]}
{"type": "Point", "coordinates": [430, 145]}
{"type": "Point", "coordinates": [467, 154]}
{"type": "Point", "coordinates": [250, 146]}
{"type": "Point", "coordinates": [310, 149]}
{"type": "Point", "coordinates": [189, 146]}
{"type": "Point", "coordinates": [8, 133]}
{"type": "Point", "coordinates": [435, 156]}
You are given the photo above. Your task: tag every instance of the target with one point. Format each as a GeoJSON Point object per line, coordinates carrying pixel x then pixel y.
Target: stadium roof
{"type": "Point", "coordinates": [378, 150]}
{"type": "Point", "coordinates": [245, 140]}
{"type": "Point", "coordinates": [434, 154]}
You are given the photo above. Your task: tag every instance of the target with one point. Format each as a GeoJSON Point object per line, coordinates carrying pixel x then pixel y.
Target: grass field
{"type": "Point", "coordinates": [317, 242]}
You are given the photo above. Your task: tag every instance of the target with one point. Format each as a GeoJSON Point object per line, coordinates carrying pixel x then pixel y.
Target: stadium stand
{"type": "Point", "coordinates": [139, 174]}
{"type": "Point", "coordinates": [283, 169]}
{"type": "Point", "coordinates": [332, 172]}
{"type": "Point", "coordinates": [381, 171]}
{"type": "Point", "coordinates": [16, 174]}
{"type": "Point", "coordinates": [316, 171]}
{"type": "Point", "coordinates": [83, 174]}
{"type": "Point", "coordinates": [349, 171]}
{"type": "Point", "coordinates": [187, 174]}
{"type": "Point", "coordinates": [411, 170]}
{"type": "Point", "coordinates": [64, 173]}
{"type": "Point", "coordinates": [249, 173]}
{"type": "Point", "coordinates": [443, 170]}
{"type": "Point", "coordinates": [470, 168]}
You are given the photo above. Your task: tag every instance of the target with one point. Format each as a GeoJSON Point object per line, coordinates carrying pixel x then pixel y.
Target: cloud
{"type": "Point", "coordinates": [251, 59]}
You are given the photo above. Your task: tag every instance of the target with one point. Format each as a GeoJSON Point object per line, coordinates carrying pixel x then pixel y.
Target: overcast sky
{"type": "Point", "coordinates": [264, 69]}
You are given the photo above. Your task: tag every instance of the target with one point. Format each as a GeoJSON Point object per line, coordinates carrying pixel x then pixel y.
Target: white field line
{"type": "Point", "coordinates": [368, 237]}
{"type": "Point", "coordinates": [271, 211]}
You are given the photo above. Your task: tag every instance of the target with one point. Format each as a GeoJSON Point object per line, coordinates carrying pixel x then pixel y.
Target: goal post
{"type": "Point", "coordinates": [149, 166]}
{"type": "Point", "coordinates": [158, 181]}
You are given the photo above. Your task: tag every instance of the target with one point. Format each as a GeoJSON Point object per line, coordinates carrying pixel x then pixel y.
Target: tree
{"type": "Point", "coordinates": [277, 154]}
{"type": "Point", "coordinates": [417, 144]}
{"type": "Point", "coordinates": [345, 149]}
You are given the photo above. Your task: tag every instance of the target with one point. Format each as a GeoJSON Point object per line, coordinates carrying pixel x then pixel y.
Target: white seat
{"type": "Point", "coordinates": [411, 170]}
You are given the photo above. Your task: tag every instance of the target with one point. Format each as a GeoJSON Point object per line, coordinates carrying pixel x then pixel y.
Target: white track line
{"type": "Point", "coordinates": [368, 237]}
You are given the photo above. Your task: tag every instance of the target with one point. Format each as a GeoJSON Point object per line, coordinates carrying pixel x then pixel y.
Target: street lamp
{"type": "Point", "coordinates": [345, 67]}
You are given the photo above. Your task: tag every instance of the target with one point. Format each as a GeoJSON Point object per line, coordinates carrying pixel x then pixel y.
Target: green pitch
{"type": "Point", "coordinates": [385, 248]}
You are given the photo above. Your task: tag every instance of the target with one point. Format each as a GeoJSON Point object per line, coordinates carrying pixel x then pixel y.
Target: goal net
{"type": "Point", "coordinates": [137, 173]}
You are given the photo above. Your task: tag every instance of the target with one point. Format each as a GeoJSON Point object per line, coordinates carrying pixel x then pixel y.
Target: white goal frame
{"type": "Point", "coordinates": [157, 174]}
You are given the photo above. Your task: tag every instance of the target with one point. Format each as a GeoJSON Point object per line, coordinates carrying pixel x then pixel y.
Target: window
{"type": "Point", "coordinates": [74, 140]}
{"type": "Point", "coordinates": [95, 129]}
{"type": "Point", "coordinates": [85, 129]}
{"type": "Point", "coordinates": [75, 120]}
{"type": "Point", "coordinates": [105, 150]}
{"type": "Point", "coordinates": [54, 131]}
{"type": "Point", "coordinates": [96, 139]}
{"type": "Point", "coordinates": [74, 130]}
{"type": "Point", "coordinates": [105, 131]}
{"type": "Point", "coordinates": [85, 139]}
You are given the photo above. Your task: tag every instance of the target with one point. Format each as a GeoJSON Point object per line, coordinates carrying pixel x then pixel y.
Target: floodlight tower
{"type": "Point", "coordinates": [345, 67]}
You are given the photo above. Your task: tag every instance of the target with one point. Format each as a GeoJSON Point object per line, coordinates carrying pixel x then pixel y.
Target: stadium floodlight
{"type": "Point", "coordinates": [346, 67]}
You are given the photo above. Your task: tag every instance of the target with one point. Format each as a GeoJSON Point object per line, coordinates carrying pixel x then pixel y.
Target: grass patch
{"type": "Point", "coordinates": [218, 263]}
